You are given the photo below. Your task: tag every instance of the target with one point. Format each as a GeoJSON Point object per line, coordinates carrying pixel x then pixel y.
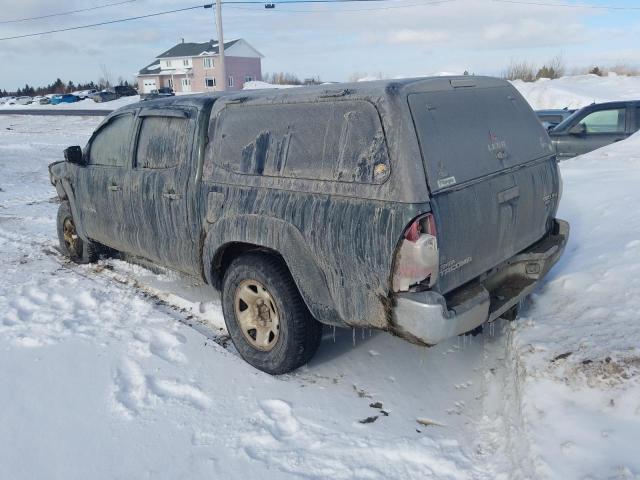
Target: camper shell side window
{"type": "Point", "coordinates": [341, 141]}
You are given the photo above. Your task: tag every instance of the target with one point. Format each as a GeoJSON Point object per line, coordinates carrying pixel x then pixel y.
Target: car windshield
{"type": "Point", "coordinates": [567, 120]}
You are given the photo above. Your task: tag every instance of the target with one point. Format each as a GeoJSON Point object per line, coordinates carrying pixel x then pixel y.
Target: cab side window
{"type": "Point", "coordinates": [605, 121]}
{"type": "Point", "coordinates": [110, 146]}
{"type": "Point", "coordinates": [163, 142]}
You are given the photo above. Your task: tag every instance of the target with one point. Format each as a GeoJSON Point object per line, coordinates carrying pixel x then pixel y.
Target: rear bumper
{"type": "Point", "coordinates": [428, 318]}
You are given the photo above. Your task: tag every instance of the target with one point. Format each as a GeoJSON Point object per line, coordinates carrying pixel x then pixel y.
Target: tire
{"type": "Point", "coordinates": [294, 335]}
{"type": "Point", "coordinates": [74, 247]}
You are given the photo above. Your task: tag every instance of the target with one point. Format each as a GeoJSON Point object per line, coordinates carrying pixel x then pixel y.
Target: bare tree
{"type": "Point", "coordinates": [105, 79]}
{"type": "Point", "coordinates": [282, 78]}
{"type": "Point", "coordinates": [624, 69]}
{"type": "Point", "coordinates": [522, 70]}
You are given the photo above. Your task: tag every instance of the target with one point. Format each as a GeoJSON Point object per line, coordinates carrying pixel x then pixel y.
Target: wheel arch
{"type": "Point", "coordinates": [230, 237]}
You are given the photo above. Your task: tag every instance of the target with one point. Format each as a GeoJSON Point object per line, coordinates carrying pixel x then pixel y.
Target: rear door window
{"type": "Point", "coordinates": [335, 141]}
{"type": "Point", "coordinates": [111, 145]}
{"type": "Point", "coordinates": [469, 133]}
{"type": "Point", "coordinates": [163, 142]}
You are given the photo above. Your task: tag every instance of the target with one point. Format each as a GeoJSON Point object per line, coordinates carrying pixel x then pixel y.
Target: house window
{"type": "Point", "coordinates": [170, 81]}
{"type": "Point", "coordinates": [185, 62]}
{"type": "Point", "coordinates": [248, 78]}
{"type": "Point", "coordinates": [207, 62]}
{"type": "Point", "coordinates": [186, 82]}
{"type": "Point", "coordinates": [230, 81]}
{"type": "Point", "coordinates": [168, 63]}
{"type": "Point", "coordinates": [210, 82]}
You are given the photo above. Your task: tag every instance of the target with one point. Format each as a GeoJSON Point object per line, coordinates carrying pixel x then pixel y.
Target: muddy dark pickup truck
{"type": "Point", "coordinates": [423, 207]}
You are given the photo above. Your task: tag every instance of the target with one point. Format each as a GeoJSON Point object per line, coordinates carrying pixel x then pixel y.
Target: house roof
{"type": "Point", "coordinates": [193, 49]}
{"type": "Point", "coordinates": [152, 69]}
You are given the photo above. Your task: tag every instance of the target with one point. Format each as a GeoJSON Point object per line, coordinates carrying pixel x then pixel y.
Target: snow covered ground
{"type": "Point", "coordinates": [114, 371]}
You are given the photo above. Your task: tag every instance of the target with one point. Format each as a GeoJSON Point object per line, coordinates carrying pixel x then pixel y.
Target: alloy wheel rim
{"type": "Point", "coordinates": [257, 315]}
{"type": "Point", "coordinates": [71, 239]}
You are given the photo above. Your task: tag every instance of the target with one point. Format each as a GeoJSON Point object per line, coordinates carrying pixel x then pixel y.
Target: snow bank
{"type": "Point", "coordinates": [577, 349]}
{"type": "Point", "coordinates": [579, 90]}
{"type": "Point", "coordinates": [258, 85]}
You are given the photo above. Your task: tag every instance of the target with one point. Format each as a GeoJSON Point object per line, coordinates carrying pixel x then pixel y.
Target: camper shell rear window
{"type": "Point", "coordinates": [468, 133]}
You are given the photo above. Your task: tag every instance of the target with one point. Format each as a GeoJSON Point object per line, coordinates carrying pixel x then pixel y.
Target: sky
{"type": "Point", "coordinates": [333, 42]}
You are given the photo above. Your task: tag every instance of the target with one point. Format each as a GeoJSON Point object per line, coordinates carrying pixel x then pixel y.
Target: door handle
{"type": "Point", "coordinates": [171, 195]}
{"type": "Point", "coordinates": [509, 194]}
{"type": "Point", "coordinates": [114, 188]}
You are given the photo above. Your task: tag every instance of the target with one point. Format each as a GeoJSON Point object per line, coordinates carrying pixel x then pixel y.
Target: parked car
{"type": "Point", "coordinates": [6, 100]}
{"type": "Point", "coordinates": [595, 126]}
{"type": "Point", "coordinates": [82, 94]}
{"type": "Point", "coordinates": [66, 98]}
{"type": "Point", "coordinates": [160, 92]}
{"type": "Point", "coordinates": [24, 100]}
{"type": "Point", "coordinates": [124, 91]}
{"type": "Point", "coordinates": [104, 96]}
{"type": "Point", "coordinates": [552, 117]}
{"type": "Point", "coordinates": [40, 100]}
{"type": "Point", "coordinates": [373, 205]}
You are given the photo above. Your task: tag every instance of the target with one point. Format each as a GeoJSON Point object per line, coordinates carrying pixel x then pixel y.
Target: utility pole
{"type": "Point", "coordinates": [221, 65]}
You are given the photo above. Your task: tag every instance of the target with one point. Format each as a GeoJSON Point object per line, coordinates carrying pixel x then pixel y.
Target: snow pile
{"type": "Point", "coordinates": [579, 90]}
{"type": "Point", "coordinates": [258, 85]}
{"type": "Point", "coordinates": [577, 349]}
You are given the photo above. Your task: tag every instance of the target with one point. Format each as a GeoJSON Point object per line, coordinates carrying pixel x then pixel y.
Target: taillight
{"type": "Point", "coordinates": [417, 258]}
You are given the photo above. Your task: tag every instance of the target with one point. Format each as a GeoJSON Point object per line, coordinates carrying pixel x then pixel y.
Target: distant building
{"type": "Point", "coordinates": [193, 67]}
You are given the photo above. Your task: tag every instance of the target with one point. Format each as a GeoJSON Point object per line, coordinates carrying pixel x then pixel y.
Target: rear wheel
{"type": "Point", "coordinates": [267, 319]}
{"type": "Point", "coordinates": [77, 249]}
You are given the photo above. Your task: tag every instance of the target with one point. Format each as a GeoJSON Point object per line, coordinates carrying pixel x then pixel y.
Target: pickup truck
{"type": "Point", "coordinates": [595, 126]}
{"type": "Point", "coordinates": [423, 207]}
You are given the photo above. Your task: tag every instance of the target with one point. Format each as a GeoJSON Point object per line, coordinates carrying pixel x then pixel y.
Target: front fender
{"type": "Point", "coordinates": [284, 238]}
{"type": "Point", "coordinates": [60, 176]}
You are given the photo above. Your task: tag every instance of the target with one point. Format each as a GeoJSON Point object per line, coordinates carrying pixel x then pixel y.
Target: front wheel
{"type": "Point", "coordinates": [77, 249]}
{"type": "Point", "coordinates": [269, 323]}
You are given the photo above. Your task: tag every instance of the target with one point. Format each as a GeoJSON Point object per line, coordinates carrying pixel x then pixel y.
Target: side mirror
{"type": "Point", "coordinates": [578, 129]}
{"type": "Point", "coordinates": [74, 155]}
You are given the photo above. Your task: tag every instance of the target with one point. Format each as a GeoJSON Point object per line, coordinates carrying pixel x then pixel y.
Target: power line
{"type": "Point", "coordinates": [567, 5]}
{"type": "Point", "coordinates": [436, 2]}
{"type": "Point", "coordinates": [69, 12]}
{"type": "Point", "coordinates": [108, 22]}
{"type": "Point", "coordinates": [208, 5]}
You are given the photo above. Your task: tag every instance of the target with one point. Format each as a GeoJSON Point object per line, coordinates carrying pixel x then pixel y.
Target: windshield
{"type": "Point", "coordinates": [567, 121]}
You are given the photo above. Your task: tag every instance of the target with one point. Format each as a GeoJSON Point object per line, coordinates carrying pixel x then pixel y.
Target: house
{"type": "Point", "coordinates": [193, 67]}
